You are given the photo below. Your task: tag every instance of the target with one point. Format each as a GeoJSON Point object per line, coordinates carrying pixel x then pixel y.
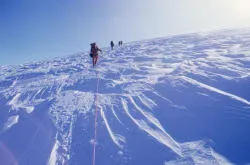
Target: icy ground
{"type": "Point", "coordinates": [176, 100]}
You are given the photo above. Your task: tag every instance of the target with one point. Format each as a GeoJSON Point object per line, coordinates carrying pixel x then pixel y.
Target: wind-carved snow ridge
{"type": "Point", "coordinates": [117, 139]}
{"type": "Point", "coordinates": [192, 81]}
{"type": "Point", "coordinates": [53, 155]}
{"type": "Point", "coordinates": [16, 104]}
{"type": "Point", "coordinates": [199, 153]}
{"type": "Point", "coordinates": [159, 134]}
{"type": "Point", "coordinates": [166, 94]}
{"type": "Point", "coordinates": [12, 120]}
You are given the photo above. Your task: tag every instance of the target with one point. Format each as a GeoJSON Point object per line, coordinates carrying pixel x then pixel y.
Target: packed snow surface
{"type": "Point", "coordinates": [177, 100]}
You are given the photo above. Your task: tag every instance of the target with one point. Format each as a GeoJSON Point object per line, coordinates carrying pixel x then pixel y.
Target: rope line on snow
{"type": "Point", "coordinates": [95, 121]}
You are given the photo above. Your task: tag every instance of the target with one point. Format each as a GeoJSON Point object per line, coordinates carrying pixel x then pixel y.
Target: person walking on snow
{"type": "Point", "coordinates": [112, 45]}
{"type": "Point", "coordinates": [94, 53]}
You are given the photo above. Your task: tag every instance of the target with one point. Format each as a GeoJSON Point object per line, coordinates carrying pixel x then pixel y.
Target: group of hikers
{"type": "Point", "coordinates": [112, 44]}
{"type": "Point", "coordinates": [94, 50]}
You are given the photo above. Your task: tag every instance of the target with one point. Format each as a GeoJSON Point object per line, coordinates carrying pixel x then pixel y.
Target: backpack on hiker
{"type": "Point", "coordinates": [94, 53]}
{"type": "Point", "coordinates": [94, 50]}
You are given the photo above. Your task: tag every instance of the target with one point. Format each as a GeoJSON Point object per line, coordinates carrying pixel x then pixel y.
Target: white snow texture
{"type": "Point", "coordinates": [176, 100]}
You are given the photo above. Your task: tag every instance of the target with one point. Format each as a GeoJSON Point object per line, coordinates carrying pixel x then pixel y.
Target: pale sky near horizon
{"type": "Point", "coordinates": [33, 30]}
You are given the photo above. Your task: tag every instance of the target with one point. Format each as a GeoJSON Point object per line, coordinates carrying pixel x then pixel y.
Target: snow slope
{"type": "Point", "coordinates": [178, 100]}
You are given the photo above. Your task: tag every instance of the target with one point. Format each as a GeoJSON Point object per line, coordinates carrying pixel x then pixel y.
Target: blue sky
{"type": "Point", "coordinates": [32, 30]}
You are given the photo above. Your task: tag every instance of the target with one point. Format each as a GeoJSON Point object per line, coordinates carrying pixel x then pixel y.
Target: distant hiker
{"type": "Point", "coordinates": [112, 45]}
{"type": "Point", "coordinates": [94, 53]}
{"type": "Point", "coordinates": [120, 43]}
